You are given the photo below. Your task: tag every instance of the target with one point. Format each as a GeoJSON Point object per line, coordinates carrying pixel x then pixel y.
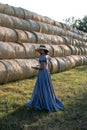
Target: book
{"type": "Point", "coordinates": [35, 67]}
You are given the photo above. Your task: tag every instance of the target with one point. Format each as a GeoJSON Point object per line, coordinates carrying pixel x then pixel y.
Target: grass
{"type": "Point", "coordinates": [69, 86]}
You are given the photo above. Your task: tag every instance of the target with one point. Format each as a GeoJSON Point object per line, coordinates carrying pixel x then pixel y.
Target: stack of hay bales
{"type": "Point", "coordinates": [22, 31]}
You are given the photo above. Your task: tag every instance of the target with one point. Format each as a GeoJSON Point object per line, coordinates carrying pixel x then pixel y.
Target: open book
{"type": "Point", "coordinates": [35, 67]}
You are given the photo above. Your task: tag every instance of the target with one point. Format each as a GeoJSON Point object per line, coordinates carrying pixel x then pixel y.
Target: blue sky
{"type": "Point", "coordinates": [55, 9]}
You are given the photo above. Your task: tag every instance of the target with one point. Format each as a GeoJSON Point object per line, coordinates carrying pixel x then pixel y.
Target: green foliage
{"type": "Point", "coordinates": [70, 86]}
{"type": "Point", "coordinates": [80, 24]}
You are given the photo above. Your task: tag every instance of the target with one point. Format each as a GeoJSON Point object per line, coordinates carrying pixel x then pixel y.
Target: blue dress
{"type": "Point", "coordinates": [43, 97]}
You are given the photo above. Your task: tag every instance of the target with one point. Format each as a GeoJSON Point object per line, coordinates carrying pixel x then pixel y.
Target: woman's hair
{"type": "Point", "coordinates": [46, 52]}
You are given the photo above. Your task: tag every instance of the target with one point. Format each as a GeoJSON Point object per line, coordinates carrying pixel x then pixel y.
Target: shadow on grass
{"type": "Point", "coordinates": [74, 117]}
{"type": "Point", "coordinates": [81, 68]}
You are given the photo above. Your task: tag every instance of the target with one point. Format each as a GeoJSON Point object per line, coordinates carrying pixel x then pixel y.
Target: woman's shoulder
{"type": "Point", "coordinates": [48, 57]}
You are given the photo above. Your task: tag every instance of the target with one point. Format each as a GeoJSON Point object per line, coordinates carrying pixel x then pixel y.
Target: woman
{"type": "Point", "coordinates": [43, 97]}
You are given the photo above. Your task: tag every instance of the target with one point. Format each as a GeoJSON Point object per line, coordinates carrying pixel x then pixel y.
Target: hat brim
{"type": "Point", "coordinates": [38, 49]}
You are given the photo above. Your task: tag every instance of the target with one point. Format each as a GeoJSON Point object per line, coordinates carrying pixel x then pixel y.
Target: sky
{"type": "Point", "coordinates": [55, 9]}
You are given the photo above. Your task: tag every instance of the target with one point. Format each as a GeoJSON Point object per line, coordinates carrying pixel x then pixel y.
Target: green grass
{"type": "Point", "coordinates": [69, 86]}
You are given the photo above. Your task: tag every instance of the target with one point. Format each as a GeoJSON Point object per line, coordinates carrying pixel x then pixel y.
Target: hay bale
{"type": "Point", "coordinates": [44, 28]}
{"type": "Point", "coordinates": [54, 65]}
{"type": "Point", "coordinates": [67, 40]}
{"type": "Point", "coordinates": [48, 20]}
{"type": "Point", "coordinates": [3, 73]}
{"type": "Point", "coordinates": [6, 21]}
{"type": "Point", "coordinates": [19, 12]}
{"type": "Point", "coordinates": [29, 50]}
{"type": "Point", "coordinates": [34, 25]}
{"type": "Point", "coordinates": [56, 39]}
{"type": "Point", "coordinates": [28, 14]}
{"type": "Point", "coordinates": [73, 63]}
{"type": "Point", "coordinates": [13, 70]}
{"type": "Point", "coordinates": [6, 9]}
{"type": "Point", "coordinates": [57, 51]}
{"type": "Point", "coordinates": [36, 17]}
{"type": "Point", "coordinates": [25, 65]}
{"type": "Point", "coordinates": [2, 34]}
{"type": "Point", "coordinates": [20, 24]}
{"type": "Point", "coordinates": [42, 38]}
{"type": "Point", "coordinates": [6, 51]}
{"type": "Point", "coordinates": [66, 50]}
{"type": "Point", "coordinates": [61, 64]}
{"type": "Point", "coordinates": [32, 38]}
{"type": "Point", "coordinates": [73, 50]}
{"type": "Point", "coordinates": [83, 50]}
{"type": "Point", "coordinates": [22, 36]}
{"type": "Point", "coordinates": [78, 60]}
{"type": "Point", "coordinates": [8, 35]}
{"type": "Point", "coordinates": [19, 50]}
{"type": "Point", "coordinates": [68, 64]}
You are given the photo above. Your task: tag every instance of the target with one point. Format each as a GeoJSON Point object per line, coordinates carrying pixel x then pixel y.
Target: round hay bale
{"type": "Point", "coordinates": [61, 64]}
{"type": "Point", "coordinates": [6, 21]}
{"type": "Point", "coordinates": [45, 28]}
{"type": "Point", "coordinates": [67, 63]}
{"type": "Point", "coordinates": [10, 35]}
{"type": "Point", "coordinates": [19, 12]}
{"type": "Point", "coordinates": [6, 51]}
{"type": "Point", "coordinates": [48, 20]}
{"type": "Point", "coordinates": [86, 50]}
{"type": "Point", "coordinates": [84, 44]}
{"type": "Point", "coordinates": [35, 52]}
{"type": "Point", "coordinates": [73, 50]}
{"type": "Point", "coordinates": [83, 60]}
{"type": "Point", "coordinates": [65, 49]}
{"type": "Point", "coordinates": [34, 25]}
{"type": "Point", "coordinates": [57, 51]}
{"type": "Point", "coordinates": [78, 60]}
{"type": "Point", "coordinates": [83, 50]}
{"type": "Point", "coordinates": [54, 65]}
{"type": "Point", "coordinates": [14, 71]}
{"type": "Point", "coordinates": [26, 66]}
{"type": "Point", "coordinates": [61, 31]}
{"type": "Point", "coordinates": [78, 51]}
{"type": "Point", "coordinates": [36, 17]}
{"type": "Point", "coordinates": [42, 38]}
{"type": "Point", "coordinates": [72, 60]}
{"type": "Point", "coordinates": [30, 50]}
{"type": "Point", "coordinates": [7, 34]}
{"type": "Point", "coordinates": [3, 73]}
{"type": "Point", "coordinates": [57, 39]}
{"type": "Point", "coordinates": [6, 9]}
{"type": "Point", "coordinates": [28, 14]}
{"type": "Point", "coordinates": [32, 37]}
{"type": "Point", "coordinates": [67, 40]}
{"type": "Point", "coordinates": [56, 23]}
{"type": "Point", "coordinates": [77, 43]}
{"type": "Point", "coordinates": [2, 34]}
{"type": "Point", "coordinates": [74, 35]}
{"type": "Point", "coordinates": [22, 36]}
{"type": "Point", "coordinates": [20, 24]}
{"type": "Point", "coordinates": [19, 50]}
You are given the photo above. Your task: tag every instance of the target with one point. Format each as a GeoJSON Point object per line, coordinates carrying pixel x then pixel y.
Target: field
{"type": "Point", "coordinates": [70, 87]}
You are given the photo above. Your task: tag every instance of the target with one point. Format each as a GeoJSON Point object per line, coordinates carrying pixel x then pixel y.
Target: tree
{"type": "Point", "coordinates": [80, 24]}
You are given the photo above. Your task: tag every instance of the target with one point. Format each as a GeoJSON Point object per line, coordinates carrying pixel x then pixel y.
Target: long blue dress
{"type": "Point", "coordinates": [43, 97]}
